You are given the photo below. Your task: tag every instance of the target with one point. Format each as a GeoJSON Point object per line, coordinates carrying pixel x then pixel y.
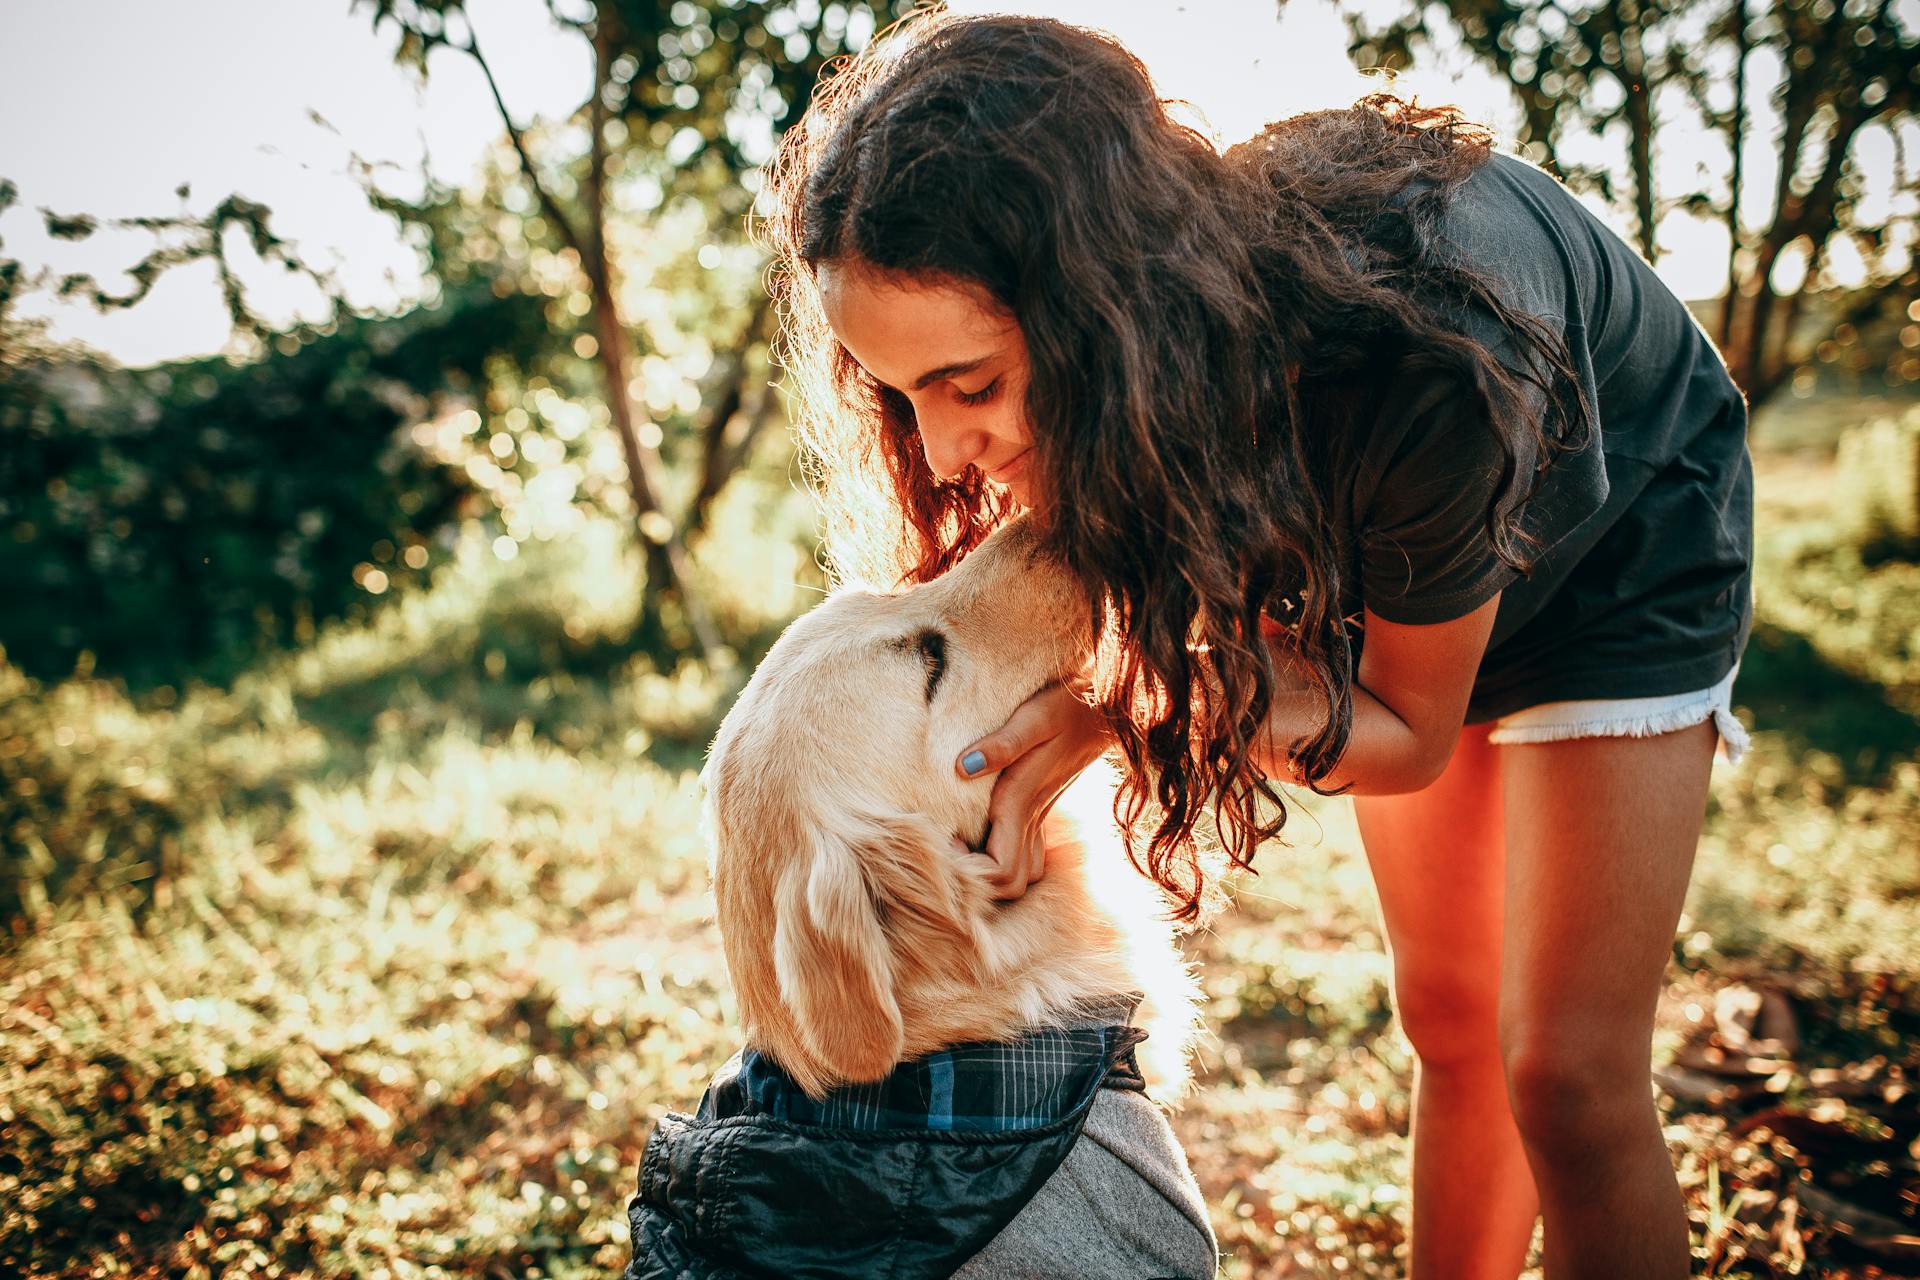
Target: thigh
{"type": "Point", "coordinates": [1600, 835]}
{"type": "Point", "coordinates": [1438, 861]}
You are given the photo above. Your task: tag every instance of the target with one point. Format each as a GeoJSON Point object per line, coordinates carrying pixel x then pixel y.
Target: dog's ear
{"type": "Point", "coordinates": [879, 897]}
{"type": "Point", "coordinates": [834, 966]}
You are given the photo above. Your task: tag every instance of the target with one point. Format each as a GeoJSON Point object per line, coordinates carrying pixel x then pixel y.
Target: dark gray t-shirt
{"type": "Point", "coordinates": [1643, 587]}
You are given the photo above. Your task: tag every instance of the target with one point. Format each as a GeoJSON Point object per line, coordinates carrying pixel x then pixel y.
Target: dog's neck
{"type": "Point", "coordinates": [1059, 951]}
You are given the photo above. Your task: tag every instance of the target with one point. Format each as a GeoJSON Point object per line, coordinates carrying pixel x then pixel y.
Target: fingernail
{"type": "Point", "coordinates": [973, 762]}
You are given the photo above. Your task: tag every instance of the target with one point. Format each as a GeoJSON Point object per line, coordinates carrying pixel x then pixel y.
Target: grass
{"type": "Point", "coordinates": [382, 961]}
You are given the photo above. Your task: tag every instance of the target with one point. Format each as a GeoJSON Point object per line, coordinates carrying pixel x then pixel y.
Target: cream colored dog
{"type": "Point", "coordinates": [859, 926]}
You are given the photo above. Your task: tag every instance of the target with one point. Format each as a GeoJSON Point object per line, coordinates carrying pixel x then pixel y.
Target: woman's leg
{"type": "Point", "coordinates": [1438, 858]}
{"type": "Point", "coordinates": [1600, 843]}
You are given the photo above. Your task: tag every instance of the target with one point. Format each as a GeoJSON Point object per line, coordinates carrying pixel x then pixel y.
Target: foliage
{"type": "Point", "coordinates": [702, 82]}
{"type": "Point", "coordinates": [433, 947]}
{"type": "Point", "coordinates": [179, 240]}
{"type": "Point", "coordinates": [169, 499]}
{"type": "Point", "coordinates": [186, 238]}
{"type": "Point", "coordinates": [1624, 69]}
{"type": "Point", "coordinates": [175, 522]}
{"type": "Point", "coordinates": [182, 518]}
{"type": "Point", "coordinates": [1879, 490]}
{"type": "Point", "coordinates": [691, 96]}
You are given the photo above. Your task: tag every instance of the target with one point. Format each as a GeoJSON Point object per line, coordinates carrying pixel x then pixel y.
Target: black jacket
{"type": "Point", "coordinates": [903, 1179]}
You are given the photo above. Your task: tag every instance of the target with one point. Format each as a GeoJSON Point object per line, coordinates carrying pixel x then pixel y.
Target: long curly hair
{"type": "Point", "coordinates": [1203, 331]}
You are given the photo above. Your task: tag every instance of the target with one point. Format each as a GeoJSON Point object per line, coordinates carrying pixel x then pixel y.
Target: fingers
{"type": "Point", "coordinates": [1017, 813]}
{"type": "Point", "coordinates": [1019, 858]}
{"type": "Point", "coordinates": [1032, 722]}
{"type": "Point", "coordinates": [1047, 740]}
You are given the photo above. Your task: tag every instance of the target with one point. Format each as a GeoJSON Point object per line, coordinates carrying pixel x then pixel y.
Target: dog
{"type": "Point", "coordinates": [868, 953]}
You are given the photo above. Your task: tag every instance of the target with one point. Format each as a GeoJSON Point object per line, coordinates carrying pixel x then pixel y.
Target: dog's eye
{"type": "Point", "coordinates": [933, 652]}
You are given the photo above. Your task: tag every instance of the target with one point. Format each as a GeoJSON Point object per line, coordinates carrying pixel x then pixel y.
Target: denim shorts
{"type": "Point", "coordinates": [1629, 718]}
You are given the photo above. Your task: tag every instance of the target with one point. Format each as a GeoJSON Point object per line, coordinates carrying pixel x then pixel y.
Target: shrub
{"type": "Point", "coordinates": [184, 518]}
{"type": "Point", "coordinates": [78, 814]}
{"type": "Point", "coordinates": [1878, 489]}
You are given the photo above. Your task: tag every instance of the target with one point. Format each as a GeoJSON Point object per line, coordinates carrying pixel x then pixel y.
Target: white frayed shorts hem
{"type": "Point", "coordinates": [1629, 718]}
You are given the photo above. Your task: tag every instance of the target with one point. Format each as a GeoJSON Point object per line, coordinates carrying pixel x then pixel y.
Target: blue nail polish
{"type": "Point", "coordinates": [973, 762]}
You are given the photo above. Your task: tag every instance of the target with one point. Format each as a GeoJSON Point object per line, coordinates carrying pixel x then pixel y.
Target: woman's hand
{"type": "Point", "coordinates": [1041, 748]}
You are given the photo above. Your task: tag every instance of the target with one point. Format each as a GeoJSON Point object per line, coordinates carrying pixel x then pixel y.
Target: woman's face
{"type": "Point", "coordinates": [956, 355]}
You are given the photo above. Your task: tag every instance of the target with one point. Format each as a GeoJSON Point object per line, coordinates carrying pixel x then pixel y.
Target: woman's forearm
{"type": "Point", "coordinates": [1383, 757]}
{"type": "Point", "coordinates": [1403, 735]}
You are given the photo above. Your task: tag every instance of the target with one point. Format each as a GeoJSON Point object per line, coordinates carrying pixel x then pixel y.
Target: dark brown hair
{"type": "Point", "coordinates": [1200, 329]}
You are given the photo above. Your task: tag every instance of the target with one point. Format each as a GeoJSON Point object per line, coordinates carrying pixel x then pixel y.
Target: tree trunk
{"type": "Point", "coordinates": [667, 567]}
{"type": "Point", "coordinates": [668, 570]}
{"type": "Point", "coordinates": [722, 451]}
{"type": "Point", "coordinates": [1737, 130]}
{"type": "Point", "coordinates": [1748, 358]}
{"type": "Point", "coordinates": [727, 450]}
{"type": "Point", "coordinates": [1639, 114]}
{"type": "Point", "coordinates": [1814, 216]}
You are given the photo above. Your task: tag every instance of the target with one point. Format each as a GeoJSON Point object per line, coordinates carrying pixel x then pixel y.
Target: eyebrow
{"type": "Point", "coordinates": [932, 376]}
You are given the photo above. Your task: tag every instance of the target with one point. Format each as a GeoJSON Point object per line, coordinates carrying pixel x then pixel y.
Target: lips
{"type": "Point", "coordinates": [1007, 471]}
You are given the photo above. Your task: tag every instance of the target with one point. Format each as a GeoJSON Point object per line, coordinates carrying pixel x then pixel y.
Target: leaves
{"type": "Point", "coordinates": [182, 520]}
{"type": "Point", "coordinates": [70, 226]}
{"type": "Point", "coordinates": [397, 999]}
{"type": "Point", "coordinates": [1627, 68]}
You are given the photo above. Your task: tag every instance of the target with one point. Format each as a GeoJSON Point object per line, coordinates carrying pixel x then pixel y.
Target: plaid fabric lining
{"type": "Point", "coordinates": [973, 1088]}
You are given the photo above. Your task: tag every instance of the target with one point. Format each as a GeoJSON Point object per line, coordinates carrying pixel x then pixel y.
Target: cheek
{"type": "Point", "coordinates": [1011, 422]}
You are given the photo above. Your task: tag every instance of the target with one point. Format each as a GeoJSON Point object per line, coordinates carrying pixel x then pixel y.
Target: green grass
{"type": "Point", "coordinates": [383, 961]}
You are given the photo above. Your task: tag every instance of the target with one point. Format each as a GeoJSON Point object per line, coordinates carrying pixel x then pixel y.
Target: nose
{"type": "Point", "coordinates": [950, 447]}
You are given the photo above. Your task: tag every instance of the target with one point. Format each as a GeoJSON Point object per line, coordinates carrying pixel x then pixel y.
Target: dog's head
{"type": "Point", "coordinates": [845, 880]}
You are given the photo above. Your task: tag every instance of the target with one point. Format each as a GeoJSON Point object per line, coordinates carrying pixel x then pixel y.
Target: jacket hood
{"type": "Point", "coordinates": [904, 1178]}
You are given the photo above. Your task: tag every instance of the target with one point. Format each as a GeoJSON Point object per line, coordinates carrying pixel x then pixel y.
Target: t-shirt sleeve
{"type": "Point", "coordinates": [1425, 553]}
{"type": "Point", "coordinates": [1432, 464]}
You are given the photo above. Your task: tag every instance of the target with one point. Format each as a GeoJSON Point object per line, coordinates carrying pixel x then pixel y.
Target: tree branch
{"type": "Point", "coordinates": [548, 205]}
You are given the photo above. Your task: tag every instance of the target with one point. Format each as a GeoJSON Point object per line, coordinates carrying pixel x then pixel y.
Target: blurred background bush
{"type": "Point", "coordinates": [1879, 493]}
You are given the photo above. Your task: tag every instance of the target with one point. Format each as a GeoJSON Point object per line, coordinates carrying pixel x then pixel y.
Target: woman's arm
{"type": "Point", "coordinates": [1409, 700]}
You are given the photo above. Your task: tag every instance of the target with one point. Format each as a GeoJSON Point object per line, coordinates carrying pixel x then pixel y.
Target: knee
{"type": "Point", "coordinates": [1568, 1092]}
{"type": "Point", "coordinates": [1450, 1013]}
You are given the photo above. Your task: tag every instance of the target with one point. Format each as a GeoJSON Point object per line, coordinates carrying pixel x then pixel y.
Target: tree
{"type": "Point", "coordinates": [1630, 67]}
{"type": "Point", "coordinates": [179, 239]}
{"type": "Point", "coordinates": [589, 216]}
{"type": "Point", "coordinates": [688, 96]}
{"type": "Point", "coordinates": [175, 520]}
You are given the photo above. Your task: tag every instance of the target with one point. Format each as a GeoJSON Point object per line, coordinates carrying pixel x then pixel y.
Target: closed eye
{"type": "Point", "coordinates": [933, 652]}
{"type": "Point", "coordinates": [981, 396]}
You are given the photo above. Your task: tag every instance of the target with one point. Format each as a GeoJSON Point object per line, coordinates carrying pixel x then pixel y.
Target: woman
{"type": "Point", "coordinates": [1388, 469]}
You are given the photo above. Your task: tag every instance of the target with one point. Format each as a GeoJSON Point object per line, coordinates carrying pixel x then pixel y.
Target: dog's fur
{"type": "Point", "coordinates": [859, 926]}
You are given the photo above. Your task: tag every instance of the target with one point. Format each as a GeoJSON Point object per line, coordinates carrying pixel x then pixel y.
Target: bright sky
{"type": "Point", "coordinates": [220, 99]}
